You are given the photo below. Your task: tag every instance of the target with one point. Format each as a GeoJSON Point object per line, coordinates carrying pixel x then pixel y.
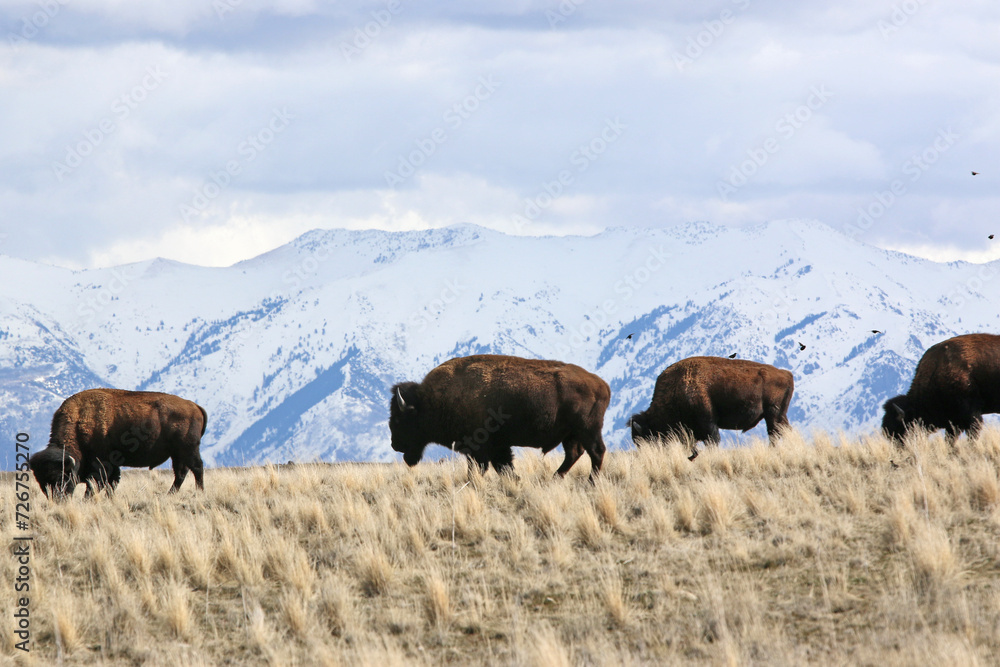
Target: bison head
{"type": "Point", "coordinates": [640, 428]}
{"type": "Point", "coordinates": [56, 471]}
{"type": "Point", "coordinates": [404, 422]}
{"type": "Point", "coordinates": [896, 421]}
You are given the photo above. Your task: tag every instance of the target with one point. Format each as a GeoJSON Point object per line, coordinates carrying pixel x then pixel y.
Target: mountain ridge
{"type": "Point", "coordinates": [242, 340]}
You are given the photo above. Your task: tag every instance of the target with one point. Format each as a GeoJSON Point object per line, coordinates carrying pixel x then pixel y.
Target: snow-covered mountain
{"type": "Point", "coordinates": [293, 353]}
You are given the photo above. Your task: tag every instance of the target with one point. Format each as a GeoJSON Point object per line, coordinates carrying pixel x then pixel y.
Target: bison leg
{"type": "Point", "coordinates": [596, 453]}
{"type": "Point", "coordinates": [777, 421]}
{"type": "Point", "coordinates": [180, 472]}
{"type": "Point", "coordinates": [503, 460]}
{"type": "Point", "coordinates": [96, 485]}
{"type": "Point", "coordinates": [198, 469]}
{"type": "Point", "coordinates": [711, 438]}
{"type": "Point", "coordinates": [709, 434]}
{"type": "Point", "coordinates": [100, 475]}
{"type": "Point", "coordinates": [775, 427]}
{"type": "Point", "coordinates": [573, 452]}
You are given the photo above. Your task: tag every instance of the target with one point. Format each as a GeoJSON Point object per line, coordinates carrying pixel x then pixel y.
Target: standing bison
{"type": "Point", "coordinates": [956, 383]}
{"type": "Point", "coordinates": [97, 431]}
{"type": "Point", "coordinates": [485, 404]}
{"type": "Point", "coordinates": [704, 394]}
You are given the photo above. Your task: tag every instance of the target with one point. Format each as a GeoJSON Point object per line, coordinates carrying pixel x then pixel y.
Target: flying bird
{"type": "Point", "coordinates": [801, 347]}
{"type": "Point", "coordinates": [876, 331]}
{"type": "Point", "coordinates": [990, 237]}
{"type": "Point", "coordinates": [628, 337]}
{"type": "Point", "coordinates": [732, 356]}
{"type": "Point", "coordinates": [975, 173]}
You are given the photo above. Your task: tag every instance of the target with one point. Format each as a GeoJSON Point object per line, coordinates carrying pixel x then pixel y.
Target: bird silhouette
{"type": "Point", "coordinates": [732, 356]}
{"type": "Point", "coordinates": [990, 237]}
{"type": "Point", "coordinates": [628, 337]}
{"type": "Point", "coordinates": [876, 331]}
{"type": "Point", "coordinates": [801, 347]}
{"type": "Point", "coordinates": [975, 173]}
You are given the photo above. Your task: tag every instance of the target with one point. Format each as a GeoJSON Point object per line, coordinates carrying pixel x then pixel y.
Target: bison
{"type": "Point", "coordinates": [957, 381]}
{"type": "Point", "coordinates": [485, 404]}
{"type": "Point", "coordinates": [97, 431]}
{"type": "Point", "coordinates": [703, 394]}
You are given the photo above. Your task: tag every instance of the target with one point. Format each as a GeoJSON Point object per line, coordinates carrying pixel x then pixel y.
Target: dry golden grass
{"type": "Point", "coordinates": [822, 550]}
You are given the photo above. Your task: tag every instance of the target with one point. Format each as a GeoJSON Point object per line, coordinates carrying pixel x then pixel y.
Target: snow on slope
{"type": "Point", "coordinates": [292, 353]}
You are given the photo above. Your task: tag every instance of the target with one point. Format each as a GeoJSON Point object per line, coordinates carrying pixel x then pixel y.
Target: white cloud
{"type": "Point", "coordinates": [355, 119]}
{"type": "Point", "coordinates": [948, 253]}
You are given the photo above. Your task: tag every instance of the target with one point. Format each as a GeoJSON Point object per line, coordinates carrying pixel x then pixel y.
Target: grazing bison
{"type": "Point", "coordinates": [957, 381]}
{"type": "Point", "coordinates": [704, 394]}
{"type": "Point", "coordinates": [97, 431]}
{"type": "Point", "coordinates": [484, 404]}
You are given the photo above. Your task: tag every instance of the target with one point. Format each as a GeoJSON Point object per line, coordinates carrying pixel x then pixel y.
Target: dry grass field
{"type": "Point", "coordinates": [819, 551]}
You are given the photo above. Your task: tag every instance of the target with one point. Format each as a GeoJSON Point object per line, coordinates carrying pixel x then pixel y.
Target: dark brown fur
{"type": "Point", "coordinates": [957, 381]}
{"type": "Point", "coordinates": [97, 431]}
{"type": "Point", "coordinates": [485, 404]}
{"type": "Point", "coordinates": [701, 395]}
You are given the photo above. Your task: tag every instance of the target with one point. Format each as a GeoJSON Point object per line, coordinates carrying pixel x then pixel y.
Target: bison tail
{"type": "Point", "coordinates": [204, 419]}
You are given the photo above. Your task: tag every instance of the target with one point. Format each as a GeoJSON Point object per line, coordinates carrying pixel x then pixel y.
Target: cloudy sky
{"type": "Point", "coordinates": [210, 131]}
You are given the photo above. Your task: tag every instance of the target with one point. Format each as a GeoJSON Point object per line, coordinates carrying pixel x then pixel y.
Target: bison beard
{"type": "Point", "coordinates": [97, 431]}
{"type": "Point", "coordinates": [698, 396]}
{"type": "Point", "coordinates": [484, 405]}
{"type": "Point", "coordinates": [957, 381]}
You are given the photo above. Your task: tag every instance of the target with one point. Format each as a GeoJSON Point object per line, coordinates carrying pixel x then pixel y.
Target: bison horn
{"type": "Point", "coordinates": [73, 462]}
{"type": "Point", "coordinates": [635, 427]}
{"type": "Point", "coordinates": [399, 399]}
{"type": "Point", "coordinates": [899, 411]}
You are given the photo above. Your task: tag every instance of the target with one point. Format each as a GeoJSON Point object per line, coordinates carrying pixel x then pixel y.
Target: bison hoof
{"type": "Point", "coordinates": [693, 456]}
